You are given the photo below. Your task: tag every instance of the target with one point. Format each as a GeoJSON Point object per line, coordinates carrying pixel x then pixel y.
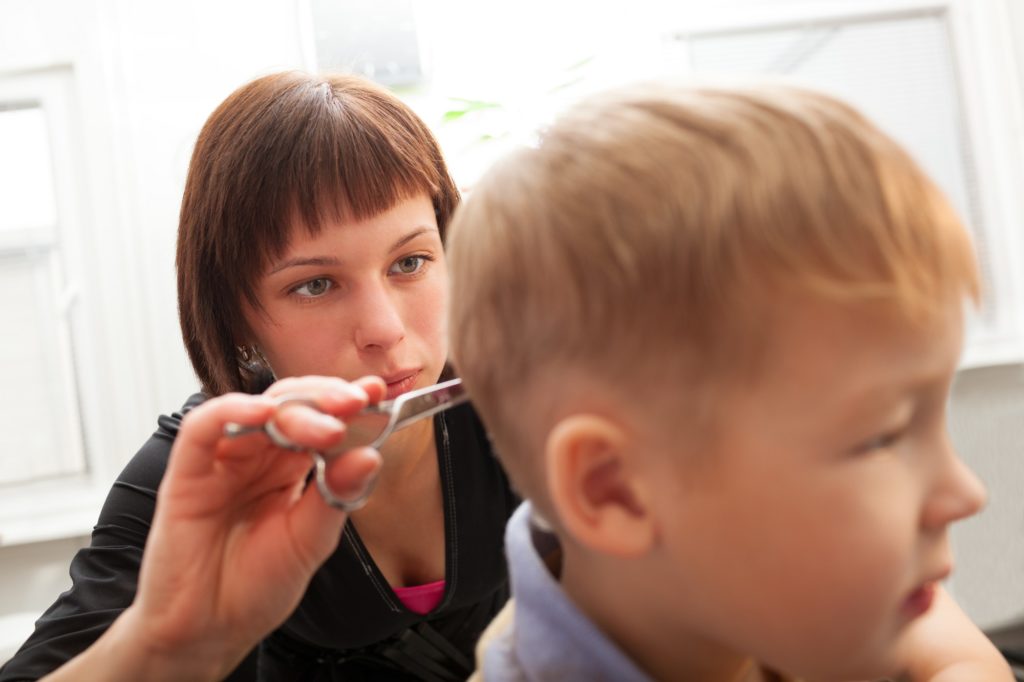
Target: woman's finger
{"type": "Point", "coordinates": [329, 393]}
{"type": "Point", "coordinates": [374, 386]}
{"type": "Point", "coordinates": [203, 428]}
{"type": "Point", "coordinates": [349, 474]}
{"type": "Point", "coordinates": [311, 421]}
{"type": "Point", "coordinates": [307, 427]}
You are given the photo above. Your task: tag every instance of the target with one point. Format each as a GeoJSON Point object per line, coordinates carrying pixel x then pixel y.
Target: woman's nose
{"type": "Point", "coordinates": [379, 323]}
{"type": "Point", "coordinates": [957, 494]}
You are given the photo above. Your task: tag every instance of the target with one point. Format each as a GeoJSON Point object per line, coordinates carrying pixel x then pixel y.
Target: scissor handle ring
{"type": "Point", "coordinates": [319, 462]}
{"type": "Point", "coordinates": [325, 490]}
{"type": "Point", "coordinates": [274, 433]}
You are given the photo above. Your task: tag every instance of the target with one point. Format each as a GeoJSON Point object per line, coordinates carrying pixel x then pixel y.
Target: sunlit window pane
{"type": "Point", "coordinates": [26, 174]}
{"type": "Point", "coordinates": [38, 434]}
{"type": "Point", "coordinates": [898, 71]}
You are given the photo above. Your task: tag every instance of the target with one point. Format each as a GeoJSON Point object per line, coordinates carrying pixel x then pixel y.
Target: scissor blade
{"type": "Point", "coordinates": [375, 423]}
{"type": "Point", "coordinates": [428, 401]}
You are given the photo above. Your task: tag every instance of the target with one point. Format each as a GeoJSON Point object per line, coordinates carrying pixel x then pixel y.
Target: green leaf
{"type": "Point", "coordinates": [474, 104]}
{"type": "Point", "coordinates": [562, 86]}
{"type": "Point", "coordinates": [454, 115]}
{"type": "Point", "coordinates": [580, 64]}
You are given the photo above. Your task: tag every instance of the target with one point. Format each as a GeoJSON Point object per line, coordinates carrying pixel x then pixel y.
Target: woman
{"type": "Point", "coordinates": [310, 243]}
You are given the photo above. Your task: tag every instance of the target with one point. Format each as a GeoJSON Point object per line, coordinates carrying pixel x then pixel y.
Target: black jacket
{"type": "Point", "coordinates": [349, 624]}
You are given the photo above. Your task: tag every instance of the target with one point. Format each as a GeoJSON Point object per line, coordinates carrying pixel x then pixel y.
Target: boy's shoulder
{"type": "Point", "coordinates": [497, 646]}
{"type": "Point", "coordinates": [543, 635]}
{"type": "Point", "coordinates": [527, 638]}
{"type": "Point", "coordinates": [496, 638]}
{"type": "Point", "coordinates": [540, 634]}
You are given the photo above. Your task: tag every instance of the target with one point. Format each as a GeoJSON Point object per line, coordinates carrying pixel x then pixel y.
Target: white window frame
{"type": "Point", "coordinates": [63, 506]}
{"type": "Point", "coordinates": [993, 117]}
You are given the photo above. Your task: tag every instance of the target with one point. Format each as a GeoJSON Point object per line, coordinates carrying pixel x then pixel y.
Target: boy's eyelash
{"type": "Point", "coordinates": [881, 442]}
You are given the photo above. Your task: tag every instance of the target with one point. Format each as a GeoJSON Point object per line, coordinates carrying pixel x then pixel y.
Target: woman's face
{"type": "Point", "coordinates": [360, 298]}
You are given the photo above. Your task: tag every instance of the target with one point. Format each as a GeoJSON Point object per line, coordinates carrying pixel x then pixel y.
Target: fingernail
{"type": "Point", "coordinates": [367, 486]}
{"type": "Point", "coordinates": [327, 423]}
{"type": "Point", "coordinates": [350, 391]}
{"type": "Point", "coordinates": [370, 478]}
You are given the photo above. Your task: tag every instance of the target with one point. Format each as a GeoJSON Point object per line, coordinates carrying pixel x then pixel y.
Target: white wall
{"type": "Point", "coordinates": [987, 427]}
{"type": "Point", "coordinates": [148, 74]}
{"type": "Point", "coordinates": [146, 77]}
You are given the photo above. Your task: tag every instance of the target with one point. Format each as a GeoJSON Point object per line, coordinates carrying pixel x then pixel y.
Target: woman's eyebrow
{"type": "Point", "coordinates": [328, 261]}
{"type": "Point", "coordinates": [409, 237]}
{"type": "Point", "coordinates": [300, 261]}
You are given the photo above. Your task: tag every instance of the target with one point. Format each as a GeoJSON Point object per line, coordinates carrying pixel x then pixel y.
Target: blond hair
{"type": "Point", "coordinates": [650, 225]}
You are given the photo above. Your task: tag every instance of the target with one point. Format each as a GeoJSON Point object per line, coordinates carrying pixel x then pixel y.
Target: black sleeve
{"type": "Point", "coordinates": [105, 574]}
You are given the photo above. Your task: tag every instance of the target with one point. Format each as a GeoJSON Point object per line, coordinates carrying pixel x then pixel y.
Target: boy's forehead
{"type": "Point", "coordinates": [860, 351]}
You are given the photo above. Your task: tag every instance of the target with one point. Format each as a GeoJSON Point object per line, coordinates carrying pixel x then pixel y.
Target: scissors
{"type": "Point", "coordinates": [369, 427]}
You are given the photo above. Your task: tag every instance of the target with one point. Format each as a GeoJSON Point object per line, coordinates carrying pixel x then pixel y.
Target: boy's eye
{"type": "Point", "coordinates": [314, 287]}
{"type": "Point", "coordinates": [880, 442]}
{"type": "Point", "coordinates": [408, 265]}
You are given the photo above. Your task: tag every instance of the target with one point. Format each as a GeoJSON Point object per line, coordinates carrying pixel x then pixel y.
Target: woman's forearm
{"type": "Point", "coordinates": [126, 653]}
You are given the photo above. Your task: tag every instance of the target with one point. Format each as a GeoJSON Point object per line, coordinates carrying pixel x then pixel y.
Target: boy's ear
{"type": "Point", "coordinates": [594, 486]}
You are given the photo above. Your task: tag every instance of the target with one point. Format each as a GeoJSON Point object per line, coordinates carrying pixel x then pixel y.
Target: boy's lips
{"type": "Point", "coordinates": [400, 382]}
{"type": "Point", "coordinates": [921, 599]}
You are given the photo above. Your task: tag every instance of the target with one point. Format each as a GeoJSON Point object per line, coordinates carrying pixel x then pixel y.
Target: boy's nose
{"type": "Point", "coordinates": [958, 494]}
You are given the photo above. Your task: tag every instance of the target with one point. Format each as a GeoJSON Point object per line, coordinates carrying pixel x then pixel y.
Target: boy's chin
{"type": "Point", "coordinates": [876, 665]}
{"type": "Point", "coordinates": [856, 673]}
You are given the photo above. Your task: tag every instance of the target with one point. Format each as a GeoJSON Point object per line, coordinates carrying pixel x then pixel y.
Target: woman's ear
{"type": "Point", "coordinates": [595, 487]}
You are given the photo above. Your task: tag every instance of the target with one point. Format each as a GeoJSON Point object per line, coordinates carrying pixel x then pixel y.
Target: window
{"type": "Point", "coordinates": [912, 67]}
{"type": "Point", "coordinates": [39, 426]}
{"type": "Point", "coordinates": [373, 38]}
{"type": "Point", "coordinates": [45, 469]}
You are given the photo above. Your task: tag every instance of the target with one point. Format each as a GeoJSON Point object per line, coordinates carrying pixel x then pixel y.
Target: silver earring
{"type": "Point", "coordinates": [260, 358]}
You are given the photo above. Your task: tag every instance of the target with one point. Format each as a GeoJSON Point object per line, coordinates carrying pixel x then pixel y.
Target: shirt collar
{"type": "Point", "coordinates": [554, 640]}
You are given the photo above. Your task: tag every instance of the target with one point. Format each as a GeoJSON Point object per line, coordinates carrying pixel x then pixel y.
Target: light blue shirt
{"type": "Point", "coordinates": [551, 639]}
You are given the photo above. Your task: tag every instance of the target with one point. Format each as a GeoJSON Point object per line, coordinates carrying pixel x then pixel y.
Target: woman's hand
{"type": "Point", "coordinates": [236, 534]}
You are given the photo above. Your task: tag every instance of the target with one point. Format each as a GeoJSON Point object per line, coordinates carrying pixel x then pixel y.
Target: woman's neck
{"type": "Point", "coordinates": [402, 524]}
{"type": "Point", "coordinates": [406, 453]}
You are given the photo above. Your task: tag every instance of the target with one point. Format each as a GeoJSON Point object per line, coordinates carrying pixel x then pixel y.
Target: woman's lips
{"type": "Point", "coordinates": [399, 384]}
{"type": "Point", "coordinates": [920, 600]}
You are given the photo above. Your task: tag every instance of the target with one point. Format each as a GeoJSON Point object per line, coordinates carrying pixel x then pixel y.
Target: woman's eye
{"type": "Point", "coordinates": [314, 287]}
{"type": "Point", "coordinates": [408, 265]}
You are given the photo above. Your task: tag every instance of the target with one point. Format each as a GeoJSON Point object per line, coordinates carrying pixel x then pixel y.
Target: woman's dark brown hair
{"type": "Point", "coordinates": [287, 147]}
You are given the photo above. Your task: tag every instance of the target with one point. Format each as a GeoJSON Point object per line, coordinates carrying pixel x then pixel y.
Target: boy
{"type": "Point", "coordinates": [712, 334]}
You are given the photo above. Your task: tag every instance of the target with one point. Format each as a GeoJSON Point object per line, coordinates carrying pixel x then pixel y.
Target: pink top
{"type": "Point", "coordinates": [421, 599]}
